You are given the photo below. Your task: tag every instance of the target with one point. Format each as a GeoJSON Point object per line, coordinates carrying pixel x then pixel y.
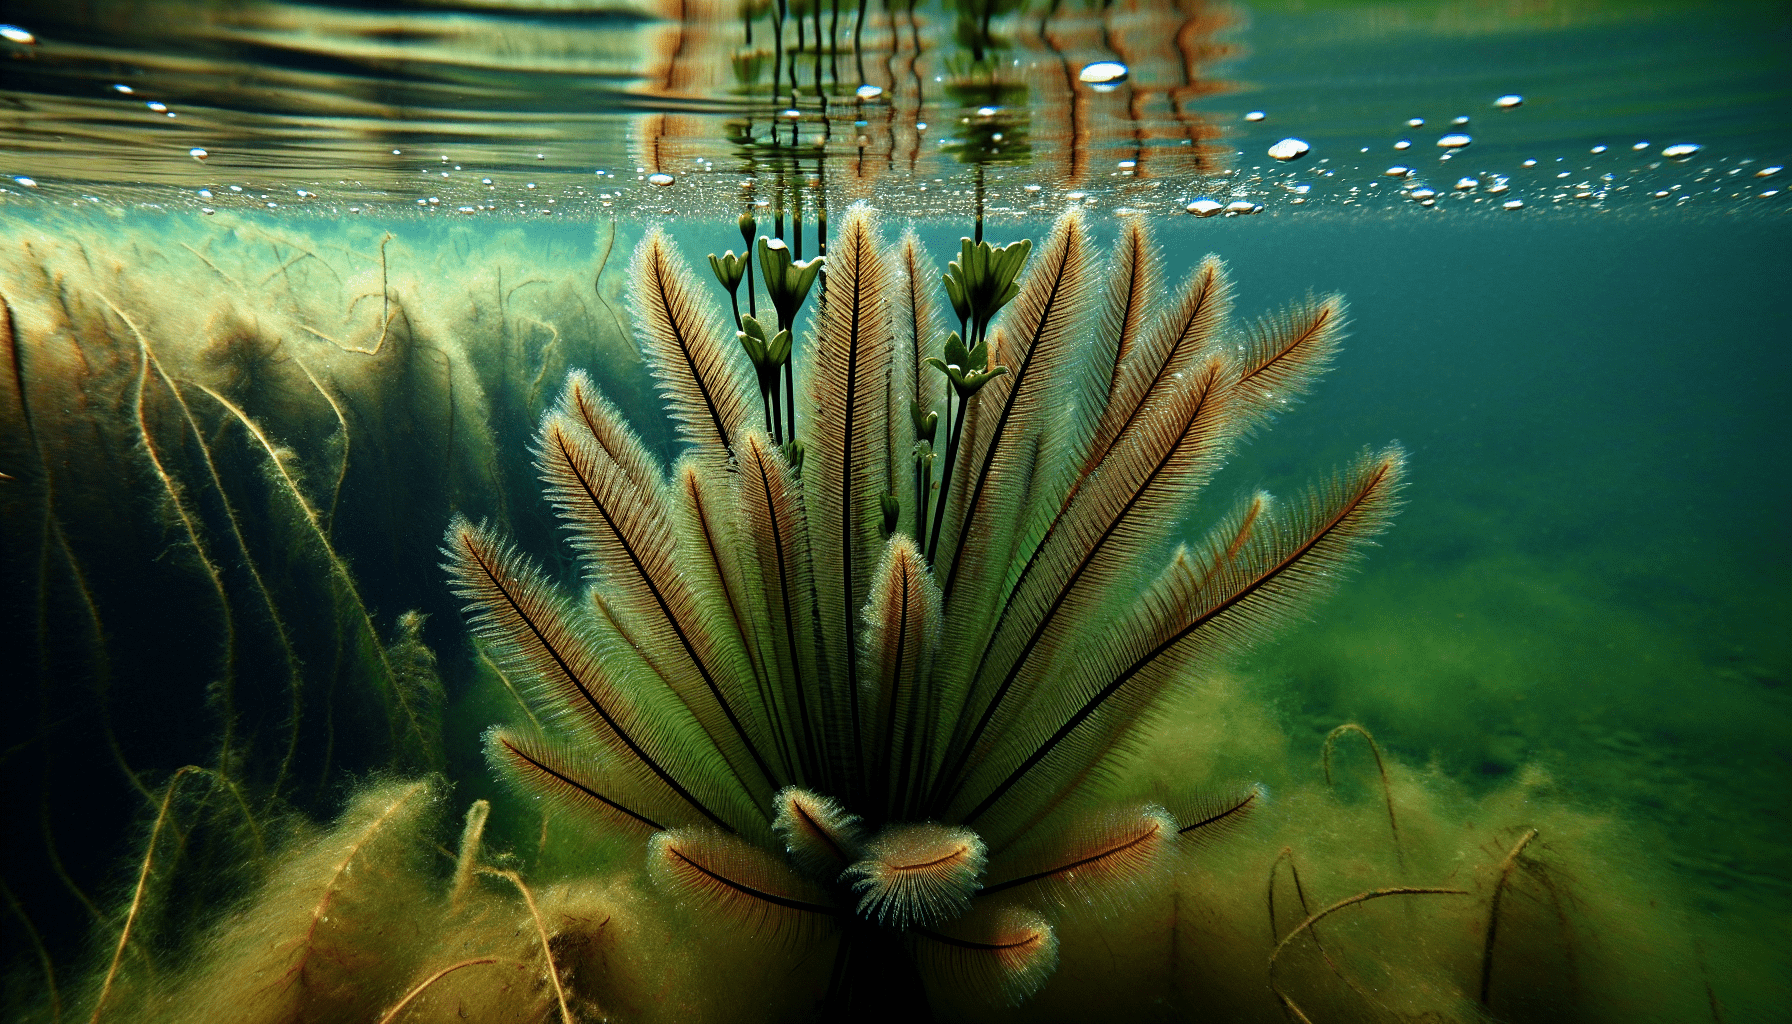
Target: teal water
{"type": "Point", "coordinates": [1591, 577]}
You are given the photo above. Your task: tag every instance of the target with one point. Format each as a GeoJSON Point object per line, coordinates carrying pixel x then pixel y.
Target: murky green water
{"type": "Point", "coordinates": [210, 537]}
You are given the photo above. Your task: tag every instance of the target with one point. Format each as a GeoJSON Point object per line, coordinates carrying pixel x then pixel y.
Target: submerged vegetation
{"type": "Point", "coordinates": [883, 701]}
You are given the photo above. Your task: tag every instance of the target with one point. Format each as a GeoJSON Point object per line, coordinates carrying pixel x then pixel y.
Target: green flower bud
{"type": "Point", "coordinates": [729, 269]}
{"type": "Point", "coordinates": [787, 281]}
{"type": "Point", "coordinates": [892, 509]}
{"type": "Point", "coordinates": [926, 421]}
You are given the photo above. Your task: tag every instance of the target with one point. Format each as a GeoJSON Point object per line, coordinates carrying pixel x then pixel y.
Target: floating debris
{"type": "Point", "coordinates": [1238, 207]}
{"type": "Point", "coordinates": [1255, 115]}
{"type": "Point", "coordinates": [1455, 140]}
{"type": "Point", "coordinates": [1203, 208]}
{"type": "Point", "coordinates": [1508, 101]}
{"type": "Point", "coordinates": [1680, 150]}
{"type": "Point", "coordinates": [1289, 149]}
{"type": "Point", "coordinates": [1103, 75]}
{"type": "Point", "coordinates": [662, 179]}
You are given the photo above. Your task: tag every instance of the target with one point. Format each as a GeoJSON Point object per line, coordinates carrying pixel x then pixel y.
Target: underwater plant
{"type": "Point", "coordinates": [849, 688]}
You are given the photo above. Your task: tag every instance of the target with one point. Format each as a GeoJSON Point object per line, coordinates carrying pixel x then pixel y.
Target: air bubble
{"type": "Point", "coordinates": [157, 106]}
{"type": "Point", "coordinates": [1242, 207]}
{"type": "Point", "coordinates": [1415, 122]}
{"type": "Point", "coordinates": [1203, 208]}
{"type": "Point", "coordinates": [1403, 144]}
{"type": "Point", "coordinates": [1103, 75]}
{"type": "Point", "coordinates": [1031, 188]}
{"type": "Point", "coordinates": [1398, 172]}
{"type": "Point", "coordinates": [1680, 150]}
{"type": "Point", "coordinates": [1289, 149]}
{"type": "Point", "coordinates": [1465, 184]}
{"type": "Point", "coordinates": [120, 87]}
{"type": "Point", "coordinates": [197, 153]}
{"type": "Point", "coordinates": [1596, 150]}
{"type": "Point", "coordinates": [1768, 172]}
{"type": "Point", "coordinates": [27, 182]}
{"type": "Point", "coordinates": [15, 34]}
{"type": "Point", "coordinates": [869, 92]}
{"type": "Point", "coordinates": [1508, 101]}
{"type": "Point", "coordinates": [1255, 115]}
{"type": "Point", "coordinates": [1455, 140]}
{"type": "Point", "coordinates": [1512, 204]}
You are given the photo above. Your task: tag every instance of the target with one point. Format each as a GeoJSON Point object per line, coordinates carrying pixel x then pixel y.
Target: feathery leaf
{"type": "Point", "coordinates": [535, 637]}
{"type": "Point", "coordinates": [538, 765]}
{"type": "Point", "coordinates": [846, 470]}
{"type": "Point", "coordinates": [1000, 954]}
{"type": "Point", "coordinates": [776, 564]}
{"type": "Point", "coordinates": [820, 837]}
{"type": "Point", "coordinates": [693, 358]}
{"type": "Point", "coordinates": [918, 874]}
{"type": "Point", "coordinates": [1284, 353]}
{"type": "Point", "coordinates": [623, 529]}
{"type": "Point", "coordinates": [1190, 618]}
{"type": "Point", "coordinates": [737, 882]}
{"type": "Point", "coordinates": [902, 622]}
{"type": "Point", "coordinates": [1106, 858]}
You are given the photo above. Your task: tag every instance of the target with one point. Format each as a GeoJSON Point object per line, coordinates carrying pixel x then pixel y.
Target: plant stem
{"type": "Point", "coordinates": [939, 512]}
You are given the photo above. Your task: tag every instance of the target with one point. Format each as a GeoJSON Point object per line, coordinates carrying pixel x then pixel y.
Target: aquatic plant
{"type": "Point", "coordinates": [839, 702]}
{"type": "Point", "coordinates": [213, 436]}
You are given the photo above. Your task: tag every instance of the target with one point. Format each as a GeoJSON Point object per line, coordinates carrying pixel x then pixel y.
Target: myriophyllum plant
{"type": "Point", "coordinates": [819, 731]}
